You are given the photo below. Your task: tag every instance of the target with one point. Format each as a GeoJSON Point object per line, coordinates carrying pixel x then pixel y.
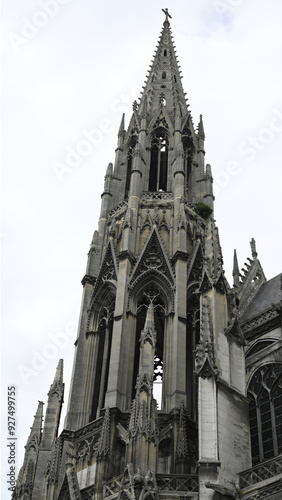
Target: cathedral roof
{"type": "Point", "coordinates": [270, 293]}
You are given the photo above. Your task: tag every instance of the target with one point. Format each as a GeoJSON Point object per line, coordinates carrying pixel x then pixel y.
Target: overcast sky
{"type": "Point", "coordinates": [70, 68]}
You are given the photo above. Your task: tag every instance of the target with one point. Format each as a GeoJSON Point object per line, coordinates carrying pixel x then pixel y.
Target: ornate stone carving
{"type": "Point", "coordinates": [181, 453]}
{"type": "Point", "coordinates": [206, 284]}
{"type": "Point", "coordinates": [233, 331]}
{"type": "Point", "coordinates": [137, 486]}
{"type": "Point", "coordinates": [128, 220]}
{"type": "Point", "coordinates": [153, 259]}
{"type": "Point", "coordinates": [266, 470]}
{"type": "Point", "coordinates": [104, 444]}
{"type": "Point", "coordinates": [148, 196]}
{"type": "Point", "coordinates": [53, 466]}
{"type": "Point", "coordinates": [204, 354]}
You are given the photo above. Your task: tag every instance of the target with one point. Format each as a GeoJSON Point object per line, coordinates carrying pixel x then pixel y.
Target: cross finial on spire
{"type": "Point", "coordinates": [167, 15]}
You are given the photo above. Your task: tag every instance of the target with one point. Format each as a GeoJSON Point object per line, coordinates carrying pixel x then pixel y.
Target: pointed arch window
{"type": "Point", "coordinates": [164, 75]}
{"type": "Point", "coordinates": [165, 52]}
{"type": "Point", "coordinates": [265, 410]}
{"type": "Point", "coordinates": [159, 161]}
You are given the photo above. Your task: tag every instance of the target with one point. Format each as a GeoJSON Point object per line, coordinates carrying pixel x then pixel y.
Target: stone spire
{"type": "Point", "coordinates": [163, 83]}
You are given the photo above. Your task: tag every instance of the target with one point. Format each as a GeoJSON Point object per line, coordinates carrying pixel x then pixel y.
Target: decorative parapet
{"type": "Point", "coordinates": [135, 485]}
{"type": "Point", "coordinates": [261, 323]}
{"type": "Point", "coordinates": [158, 195]}
{"type": "Point", "coordinates": [119, 210]}
{"type": "Point", "coordinates": [270, 469]}
{"type": "Point", "coordinates": [165, 483]}
{"type": "Point", "coordinates": [180, 483]}
{"type": "Point", "coordinates": [112, 488]}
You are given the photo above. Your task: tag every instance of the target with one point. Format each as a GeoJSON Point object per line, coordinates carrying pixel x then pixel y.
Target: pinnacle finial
{"type": "Point", "coordinates": [167, 15]}
{"type": "Point", "coordinates": [253, 248]}
{"type": "Point", "coordinates": [149, 321]}
{"type": "Point", "coordinates": [121, 127]}
{"type": "Point", "coordinates": [236, 272]}
{"type": "Point", "coordinates": [235, 264]}
{"type": "Point", "coordinates": [201, 131]}
{"type": "Point", "coordinates": [57, 387]}
{"type": "Point", "coordinates": [59, 371]}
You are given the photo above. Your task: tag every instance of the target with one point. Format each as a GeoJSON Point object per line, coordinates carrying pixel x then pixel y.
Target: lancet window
{"type": "Point", "coordinates": [159, 161]}
{"type": "Point", "coordinates": [265, 408]}
{"type": "Point", "coordinates": [103, 339]}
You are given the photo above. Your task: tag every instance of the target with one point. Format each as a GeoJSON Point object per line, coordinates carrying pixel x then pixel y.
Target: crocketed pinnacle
{"type": "Point", "coordinates": [201, 131]}
{"type": "Point", "coordinates": [236, 272]}
{"type": "Point", "coordinates": [57, 386]}
{"type": "Point", "coordinates": [36, 428]}
{"type": "Point", "coordinates": [148, 333]}
{"type": "Point", "coordinates": [150, 322]}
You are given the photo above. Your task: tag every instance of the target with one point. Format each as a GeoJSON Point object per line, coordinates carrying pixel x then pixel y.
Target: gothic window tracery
{"type": "Point", "coordinates": [265, 409]}
{"type": "Point", "coordinates": [159, 161]}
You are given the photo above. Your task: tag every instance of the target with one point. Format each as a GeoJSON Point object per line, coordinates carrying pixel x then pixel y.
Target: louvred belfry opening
{"type": "Point", "coordinates": [159, 160]}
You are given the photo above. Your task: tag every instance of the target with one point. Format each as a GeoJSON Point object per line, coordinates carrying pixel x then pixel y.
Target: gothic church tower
{"type": "Point", "coordinates": [157, 404]}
